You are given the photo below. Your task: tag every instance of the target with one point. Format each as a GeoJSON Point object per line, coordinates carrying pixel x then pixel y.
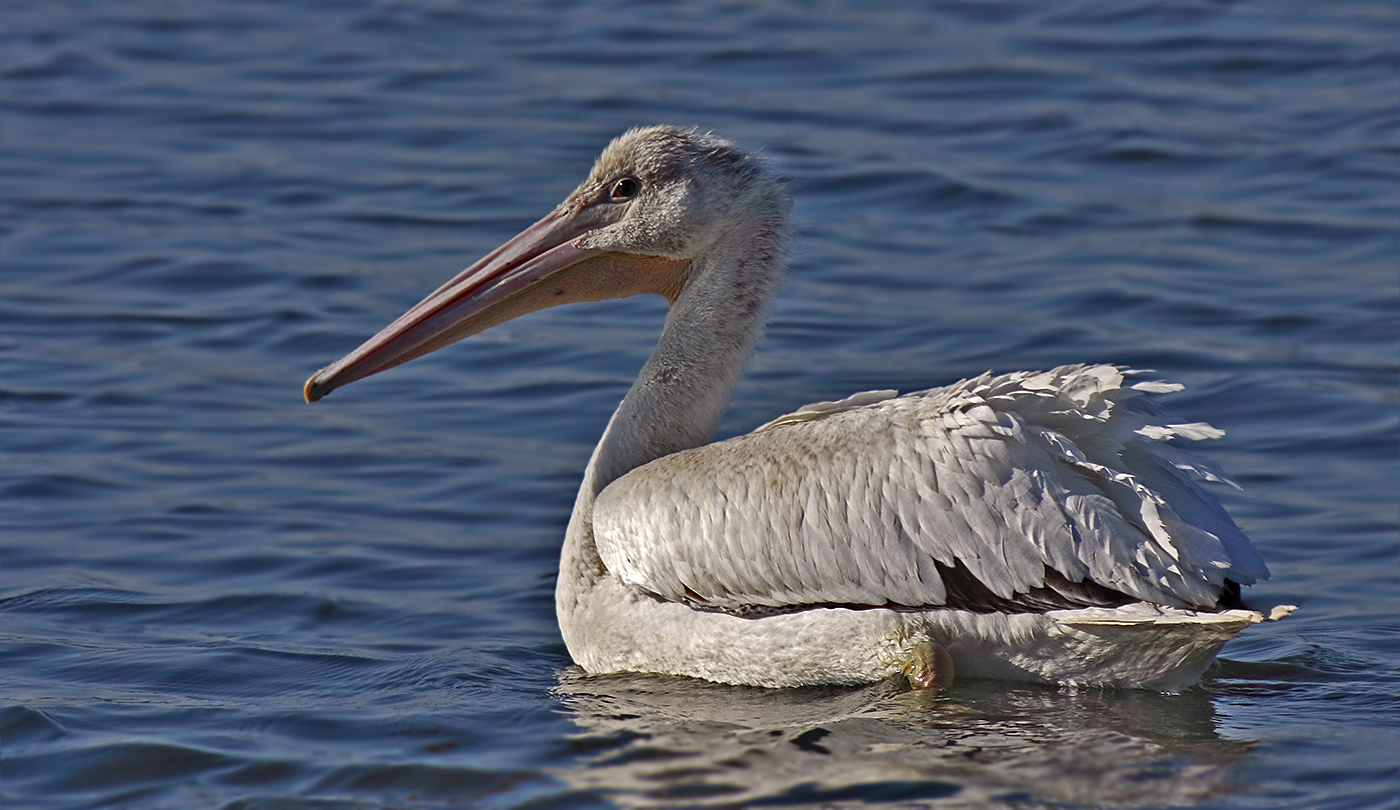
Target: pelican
{"type": "Point", "coordinates": [1029, 526]}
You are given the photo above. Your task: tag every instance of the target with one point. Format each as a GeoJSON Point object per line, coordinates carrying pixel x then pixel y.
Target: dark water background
{"type": "Point", "coordinates": [213, 595]}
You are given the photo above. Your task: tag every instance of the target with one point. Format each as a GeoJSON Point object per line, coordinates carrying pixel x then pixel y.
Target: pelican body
{"type": "Point", "coordinates": [1026, 526]}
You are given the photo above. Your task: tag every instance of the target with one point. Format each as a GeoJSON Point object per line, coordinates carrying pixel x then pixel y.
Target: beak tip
{"type": "Point", "coordinates": [312, 392]}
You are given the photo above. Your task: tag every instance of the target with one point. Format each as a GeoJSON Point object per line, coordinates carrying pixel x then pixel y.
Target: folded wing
{"type": "Point", "coordinates": [1023, 491]}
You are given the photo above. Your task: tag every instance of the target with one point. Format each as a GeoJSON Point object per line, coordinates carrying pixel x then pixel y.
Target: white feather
{"type": "Point", "coordinates": [852, 502]}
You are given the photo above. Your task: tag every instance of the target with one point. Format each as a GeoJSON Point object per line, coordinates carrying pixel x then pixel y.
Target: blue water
{"type": "Point", "coordinates": [213, 595]}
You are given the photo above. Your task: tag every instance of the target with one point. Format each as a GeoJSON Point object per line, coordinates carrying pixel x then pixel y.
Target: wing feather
{"type": "Point", "coordinates": [1024, 488]}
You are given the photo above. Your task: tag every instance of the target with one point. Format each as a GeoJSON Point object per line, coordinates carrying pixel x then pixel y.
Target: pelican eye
{"type": "Point", "coordinates": [625, 189]}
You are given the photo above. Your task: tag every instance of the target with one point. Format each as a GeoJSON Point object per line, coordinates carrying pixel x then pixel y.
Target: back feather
{"type": "Point", "coordinates": [1024, 491]}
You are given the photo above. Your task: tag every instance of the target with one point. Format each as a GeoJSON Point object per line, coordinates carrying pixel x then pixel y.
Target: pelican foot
{"type": "Point", "coordinates": [929, 666]}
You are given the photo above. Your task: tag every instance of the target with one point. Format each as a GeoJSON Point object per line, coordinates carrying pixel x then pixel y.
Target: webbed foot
{"type": "Point", "coordinates": [929, 666]}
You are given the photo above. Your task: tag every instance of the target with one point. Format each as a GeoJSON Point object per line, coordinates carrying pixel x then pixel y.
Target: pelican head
{"type": "Point", "coordinates": [656, 204]}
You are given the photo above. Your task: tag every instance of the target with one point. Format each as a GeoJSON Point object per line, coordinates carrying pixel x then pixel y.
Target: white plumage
{"type": "Point", "coordinates": [852, 504]}
{"type": "Point", "coordinates": [1029, 525]}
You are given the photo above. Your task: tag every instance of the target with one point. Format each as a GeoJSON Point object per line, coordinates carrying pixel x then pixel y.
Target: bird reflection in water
{"type": "Point", "coordinates": [657, 741]}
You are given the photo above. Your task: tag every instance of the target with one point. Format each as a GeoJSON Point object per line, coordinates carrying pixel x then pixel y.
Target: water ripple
{"type": "Point", "coordinates": [211, 595]}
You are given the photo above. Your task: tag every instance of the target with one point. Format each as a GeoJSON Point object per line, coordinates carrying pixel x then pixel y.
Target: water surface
{"type": "Point", "coordinates": [212, 595]}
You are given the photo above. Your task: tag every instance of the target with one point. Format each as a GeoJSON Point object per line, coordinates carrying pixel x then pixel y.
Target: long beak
{"type": "Point", "coordinates": [486, 294]}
